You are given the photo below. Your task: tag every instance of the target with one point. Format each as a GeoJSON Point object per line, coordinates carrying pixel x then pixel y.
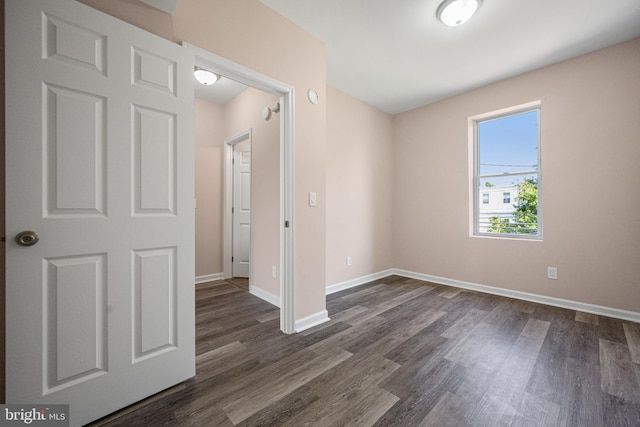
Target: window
{"type": "Point", "coordinates": [506, 154]}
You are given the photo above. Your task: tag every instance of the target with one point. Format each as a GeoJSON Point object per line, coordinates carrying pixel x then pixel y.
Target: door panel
{"type": "Point", "coordinates": [154, 302]}
{"type": "Point", "coordinates": [155, 150]}
{"type": "Point", "coordinates": [75, 319]}
{"type": "Point", "coordinates": [75, 152]}
{"type": "Point", "coordinates": [99, 161]}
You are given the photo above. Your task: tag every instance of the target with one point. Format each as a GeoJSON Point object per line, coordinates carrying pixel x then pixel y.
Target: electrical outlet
{"type": "Point", "coordinates": [552, 273]}
{"type": "Point", "coordinates": [348, 261]}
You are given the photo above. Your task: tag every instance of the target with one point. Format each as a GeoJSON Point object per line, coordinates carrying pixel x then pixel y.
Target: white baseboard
{"type": "Point", "coordinates": [264, 295]}
{"type": "Point", "coordinates": [525, 296]}
{"type": "Point", "coordinates": [358, 281]}
{"type": "Point", "coordinates": [209, 278]}
{"type": "Point", "coordinates": [312, 320]}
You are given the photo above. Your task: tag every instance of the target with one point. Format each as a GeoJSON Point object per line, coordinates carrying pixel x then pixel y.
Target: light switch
{"type": "Point", "coordinates": [313, 199]}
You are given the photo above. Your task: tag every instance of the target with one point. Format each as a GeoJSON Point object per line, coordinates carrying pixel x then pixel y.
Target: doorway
{"type": "Point", "coordinates": [284, 272]}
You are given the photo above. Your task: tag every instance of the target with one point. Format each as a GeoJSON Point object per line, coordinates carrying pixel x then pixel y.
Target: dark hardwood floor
{"type": "Point", "coordinates": [401, 352]}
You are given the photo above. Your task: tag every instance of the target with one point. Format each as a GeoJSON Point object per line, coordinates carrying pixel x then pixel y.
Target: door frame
{"type": "Point", "coordinates": [227, 250]}
{"type": "Point", "coordinates": [286, 93]}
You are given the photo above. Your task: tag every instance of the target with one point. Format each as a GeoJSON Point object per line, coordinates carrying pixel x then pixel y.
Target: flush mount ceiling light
{"type": "Point", "coordinates": [456, 12]}
{"type": "Point", "coordinates": [205, 77]}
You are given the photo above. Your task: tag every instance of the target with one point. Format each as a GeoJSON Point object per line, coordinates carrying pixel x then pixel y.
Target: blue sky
{"type": "Point", "coordinates": [509, 144]}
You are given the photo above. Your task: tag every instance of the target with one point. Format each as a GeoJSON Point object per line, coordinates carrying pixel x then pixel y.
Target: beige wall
{"type": "Point", "coordinates": [359, 188]}
{"type": "Point", "coordinates": [590, 146]}
{"type": "Point", "coordinates": [242, 113]}
{"type": "Point", "coordinates": [251, 34]}
{"type": "Point", "coordinates": [210, 134]}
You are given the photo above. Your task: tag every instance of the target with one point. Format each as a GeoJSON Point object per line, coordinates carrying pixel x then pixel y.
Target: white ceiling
{"type": "Point", "coordinates": [223, 91]}
{"type": "Point", "coordinates": [395, 54]}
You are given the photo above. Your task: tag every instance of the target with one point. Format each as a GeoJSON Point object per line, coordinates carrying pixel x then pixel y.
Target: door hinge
{"type": "Point", "coordinates": [233, 210]}
{"type": "Point", "coordinates": [286, 224]}
{"type": "Point", "coordinates": [231, 259]}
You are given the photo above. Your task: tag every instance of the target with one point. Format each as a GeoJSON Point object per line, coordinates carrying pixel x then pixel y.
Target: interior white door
{"type": "Point", "coordinates": [242, 209]}
{"type": "Point", "coordinates": [99, 161]}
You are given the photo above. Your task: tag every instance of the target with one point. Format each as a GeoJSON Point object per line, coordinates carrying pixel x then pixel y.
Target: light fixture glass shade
{"type": "Point", "coordinates": [205, 77]}
{"type": "Point", "coordinates": [456, 12]}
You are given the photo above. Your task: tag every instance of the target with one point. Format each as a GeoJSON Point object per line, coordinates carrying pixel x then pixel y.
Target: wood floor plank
{"type": "Point", "coordinates": [611, 330]}
{"type": "Point", "coordinates": [270, 315]}
{"type": "Point", "coordinates": [582, 401]}
{"type": "Point", "coordinates": [207, 389]}
{"type": "Point", "coordinates": [520, 305]}
{"type": "Point", "coordinates": [215, 355]}
{"type": "Point", "coordinates": [257, 397]}
{"type": "Point", "coordinates": [421, 346]}
{"type": "Point", "coordinates": [484, 302]}
{"type": "Point", "coordinates": [448, 412]}
{"type": "Point", "coordinates": [368, 295]}
{"type": "Point", "coordinates": [420, 394]}
{"type": "Point", "coordinates": [464, 325]}
{"type": "Point", "coordinates": [548, 377]}
{"type": "Point", "coordinates": [587, 318]}
{"type": "Point", "coordinates": [450, 293]}
{"type": "Point", "coordinates": [358, 379]}
{"type": "Point", "coordinates": [618, 377]}
{"type": "Point", "coordinates": [490, 340]}
{"type": "Point", "coordinates": [632, 333]}
{"type": "Point", "coordinates": [363, 410]}
{"type": "Point", "coordinates": [210, 415]}
{"type": "Point", "coordinates": [387, 305]}
{"type": "Point", "coordinates": [487, 357]}
{"type": "Point", "coordinates": [503, 398]}
{"type": "Point", "coordinates": [400, 329]}
{"type": "Point", "coordinates": [620, 413]}
{"type": "Point", "coordinates": [535, 411]}
{"type": "Point", "coordinates": [345, 336]}
{"type": "Point", "coordinates": [356, 374]}
{"type": "Point", "coordinates": [584, 343]}
{"type": "Point", "coordinates": [470, 345]}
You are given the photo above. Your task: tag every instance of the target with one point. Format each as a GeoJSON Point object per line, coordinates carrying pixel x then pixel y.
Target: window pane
{"type": "Point", "coordinates": [509, 144]}
{"type": "Point", "coordinates": [520, 216]}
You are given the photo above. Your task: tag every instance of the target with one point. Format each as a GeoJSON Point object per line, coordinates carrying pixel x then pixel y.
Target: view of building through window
{"type": "Point", "coordinates": [507, 174]}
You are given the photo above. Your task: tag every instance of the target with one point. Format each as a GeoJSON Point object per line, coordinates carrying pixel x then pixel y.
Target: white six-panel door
{"type": "Point", "coordinates": [242, 209]}
{"type": "Point", "coordinates": [99, 152]}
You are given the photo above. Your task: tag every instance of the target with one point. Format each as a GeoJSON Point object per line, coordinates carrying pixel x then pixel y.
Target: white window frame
{"type": "Point", "coordinates": [475, 200]}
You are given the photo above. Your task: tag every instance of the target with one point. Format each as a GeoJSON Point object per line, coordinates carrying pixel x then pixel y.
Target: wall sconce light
{"type": "Point", "coordinates": [266, 112]}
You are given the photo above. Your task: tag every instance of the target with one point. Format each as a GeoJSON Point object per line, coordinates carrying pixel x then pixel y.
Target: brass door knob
{"type": "Point", "coordinates": [27, 238]}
